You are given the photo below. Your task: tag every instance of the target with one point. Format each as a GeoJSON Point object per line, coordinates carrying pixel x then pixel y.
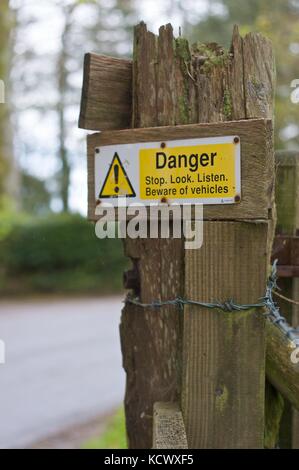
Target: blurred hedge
{"type": "Point", "coordinates": [61, 254]}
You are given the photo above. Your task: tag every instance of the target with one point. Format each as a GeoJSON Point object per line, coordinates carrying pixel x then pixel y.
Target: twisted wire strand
{"type": "Point", "coordinates": [273, 311]}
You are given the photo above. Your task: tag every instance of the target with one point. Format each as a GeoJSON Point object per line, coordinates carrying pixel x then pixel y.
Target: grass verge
{"type": "Point", "coordinates": [114, 437]}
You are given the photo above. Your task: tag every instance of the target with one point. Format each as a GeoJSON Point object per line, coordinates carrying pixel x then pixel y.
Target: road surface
{"type": "Point", "coordinates": [62, 368]}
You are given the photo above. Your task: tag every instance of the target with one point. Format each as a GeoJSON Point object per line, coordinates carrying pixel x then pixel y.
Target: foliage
{"type": "Point", "coordinates": [34, 195]}
{"type": "Point", "coordinates": [59, 254]}
{"type": "Point", "coordinates": [8, 215]}
{"type": "Point", "coordinates": [114, 436]}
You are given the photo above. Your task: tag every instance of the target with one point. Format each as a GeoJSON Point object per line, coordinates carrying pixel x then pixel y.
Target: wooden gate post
{"type": "Point", "coordinates": [212, 362]}
{"type": "Point", "coordinates": [287, 199]}
{"type": "Point", "coordinates": [210, 365]}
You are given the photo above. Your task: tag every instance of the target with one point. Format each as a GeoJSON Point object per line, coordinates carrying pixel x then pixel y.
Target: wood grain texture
{"type": "Point", "coordinates": [166, 86]}
{"type": "Point", "coordinates": [259, 75]}
{"type": "Point", "coordinates": [211, 67]}
{"type": "Point", "coordinates": [106, 101]}
{"type": "Point", "coordinates": [168, 429]}
{"type": "Point", "coordinates": [224, 376]}
{"type": "Point", "coordinates": [287, 192]}
{"type": "Point", "coordinates": [223, 401]}
{"type": "Point", "coordinates": [257, 162]}
{"type": "Point", "coordinates": [281, 372]}
{"type": "Point", "coordinates": [236, 76]}
{"type": "Point", "coordinates": [144, 78]}
{"type": "Point", "coordinates": [212, 86]}
{"type": "Point", "coordinates": [274, 407]}
{"type": "Point", "coordinates": [287, 200]}
{"type": "Point", "coordinates": [152, 340]}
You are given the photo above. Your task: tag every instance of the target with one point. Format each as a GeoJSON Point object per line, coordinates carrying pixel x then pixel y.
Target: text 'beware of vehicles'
{"type": "Point", "coordinates": [190, 171]}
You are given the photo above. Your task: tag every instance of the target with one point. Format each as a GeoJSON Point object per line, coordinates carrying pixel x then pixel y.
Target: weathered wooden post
{"type": "Point", "coordinates": [287, 200]}
{"type": "Point", "coordinates": [209, 364]}
{"type": "Point", "coordinates": [282, 372]}
{"type": "Point", "coordinates": [218, 390]}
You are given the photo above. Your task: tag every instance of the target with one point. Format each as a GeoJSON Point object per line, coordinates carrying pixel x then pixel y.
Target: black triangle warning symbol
{"type": "Point", "coordinates": [116, 183]}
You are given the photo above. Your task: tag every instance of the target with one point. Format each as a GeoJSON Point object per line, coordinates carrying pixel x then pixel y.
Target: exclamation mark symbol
{"type": "Point", "coordinates": [116, 173]}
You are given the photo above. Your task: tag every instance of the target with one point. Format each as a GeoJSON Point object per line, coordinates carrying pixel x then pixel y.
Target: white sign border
{"type": "Point", "coordinates": [131, 166]}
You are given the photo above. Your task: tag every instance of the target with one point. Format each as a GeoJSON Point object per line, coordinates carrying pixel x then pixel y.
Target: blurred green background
{"type": "Point", "coordinates": [58, 254]}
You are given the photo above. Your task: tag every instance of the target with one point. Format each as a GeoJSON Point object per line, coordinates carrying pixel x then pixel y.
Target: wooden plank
{"type": "Point", "coordinates": [259, 75]}
{"type": "Point", "coordinates": [223, 402]}
{"type": "Point", "coordinates": [223, 383]}
{"type": "Point", "coordinates": [286, 250]}
{"type": "Point", "coordinates": [106, 101]}
{"type": "Point", "coordinates": [287, 272]}
{"type": "Point", "coordinates": [168, 427]}
{"type": "Point", "coordinates": [152, 341]}
{"type": "Point", "coordinates": [274, 406]}
{"type": "Point", "coordinates": [287, 200]}
{"type": "Point", "coordinates": [287, 192]}
{"type": "Point", "coordinates": [256, 162]}
{"type": "Point", "coordinates": [107, 83]}
{"type": "Point", "coordinates": [150, 338]}
{"type": "Point", "coordinates": [236, 76]}
{"type": "Point", "coordinates": [144, 78]}
{"type": "Point", "coordinates": [281, 371]}
{"type": "Point", "coordinates": [259, 87]}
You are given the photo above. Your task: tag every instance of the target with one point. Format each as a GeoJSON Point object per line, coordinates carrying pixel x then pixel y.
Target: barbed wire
{"type": "Point", "coordinates": [273, 311]}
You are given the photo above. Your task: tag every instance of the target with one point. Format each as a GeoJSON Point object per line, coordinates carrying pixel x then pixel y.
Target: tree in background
{"type": "Point", "coordinates": [47, 70]}
{"type": "Point", "coordinates": [277, 19]}
{"type": "Point", "coordinates": [49, 76]}
{"type": "Point", "coordinates": [8, 171]}
{"type": "Point", "coordinates": [34, 195]}
{"type": "Point", "coordinates": [103, 38]}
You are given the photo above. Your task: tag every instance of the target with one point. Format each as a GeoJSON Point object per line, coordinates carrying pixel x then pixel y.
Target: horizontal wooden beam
{"type": "Point", "coordinates": [106, 101]}
{"type": "Point", "coordinates": [288, 271]}
{"type": "Point", "coordinates": [257, 163]}
{"type": "Point", "coordinates": [168, 427]}
{"type": "Point", "coordinates": [280, 369]}
{"type": "Point", "coordinates": [286, 250]}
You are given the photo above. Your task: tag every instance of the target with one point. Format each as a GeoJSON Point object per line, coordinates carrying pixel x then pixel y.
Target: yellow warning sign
{"type": "Point", "coordinates": [204, 171]}
{"type": "Point", "coordinates": [116, 182]}
{"type": "Point", "coordinates": [184, 171]}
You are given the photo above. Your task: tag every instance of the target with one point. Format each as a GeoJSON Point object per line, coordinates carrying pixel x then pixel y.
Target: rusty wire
{"type": "Point", "coordinates": [283, 297]}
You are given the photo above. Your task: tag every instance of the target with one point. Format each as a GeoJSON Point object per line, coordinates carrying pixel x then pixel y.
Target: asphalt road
{"type": "Point", "coordinates": [63, 366]}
